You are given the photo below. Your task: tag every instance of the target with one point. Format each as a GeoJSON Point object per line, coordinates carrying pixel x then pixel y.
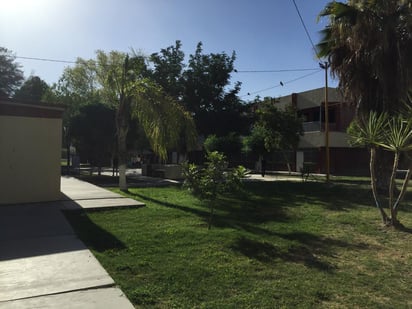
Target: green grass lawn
{"type": "Point", "coordinates": [276, 245]}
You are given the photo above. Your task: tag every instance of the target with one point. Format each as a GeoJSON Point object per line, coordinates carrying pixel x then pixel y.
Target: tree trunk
{"type": "Point", "coordinates": [372, 162]}
{"type": "Point", "coordinates": [383, 163]}
{"type": "Point", "coordinates": [287, 162]}
{"type": "Point", "coordinates": [122, 127]}
{"type": "Point", "coordinates": [392, 185]}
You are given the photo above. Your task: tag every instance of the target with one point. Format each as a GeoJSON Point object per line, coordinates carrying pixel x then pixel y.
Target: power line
{"type": "Point", "coordinates": [275, 71]}
{"type": "Point", "coordinates": [283, 83]}
{"type": "Point", "coordinates": [306, 29]}
{"type": "Point", "coordinates": [45, 59]}
{"type": "Point", "coordinates": [236, 71]}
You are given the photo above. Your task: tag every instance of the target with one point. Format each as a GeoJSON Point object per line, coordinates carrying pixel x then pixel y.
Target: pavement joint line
{"type": "Point", "coordinates": [99, 287]}
{"type": "Point", "coordinates": [105, 208]}
{"type": "Point", "coordinates": [96, 198]}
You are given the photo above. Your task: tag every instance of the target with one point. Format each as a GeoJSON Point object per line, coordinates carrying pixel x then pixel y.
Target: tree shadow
{"type": "Point", "coordinates": [311, 250]}
{"type": "Point", "coordinates": [198, 212]}
{"type": "Point", "coordinates": [92, 234]}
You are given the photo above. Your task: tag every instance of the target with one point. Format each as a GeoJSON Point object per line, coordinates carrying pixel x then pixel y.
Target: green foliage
{"type": "Point", "coordinates": [206, 183]}
{"type": "Point", "coordinates": [207, 94]}
{"type": "Point", "coordinates": [368, 45]}
{"type": "Point", "coordinates": [202, 87]}
{"type": "Point", "coordinates": [11, 75]}
{"type": "Point", "coordinates": [229, 144]}
{"type": "Point", "coordinates": [392, 134]}
{"type": "Point", "coordinates": [368, 131]}
{"type": "Point", "coordinates": [33, 89]}
{"type": "Point", "coordinates": [255, 142]}
{"type": "Point", "coordinates": [283, 128]}
{"type": "Point", "coordinates": [168, 69]}
{"type": "Point", "coordinates": [274, 129]}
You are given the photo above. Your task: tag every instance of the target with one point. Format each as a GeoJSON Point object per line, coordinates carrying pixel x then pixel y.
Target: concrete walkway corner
{"type": "Point", "coordinates": [42, 262]}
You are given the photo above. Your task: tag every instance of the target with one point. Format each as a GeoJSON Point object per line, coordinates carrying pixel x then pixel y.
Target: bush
{"type": "Point", "coordinates": [206, 183]}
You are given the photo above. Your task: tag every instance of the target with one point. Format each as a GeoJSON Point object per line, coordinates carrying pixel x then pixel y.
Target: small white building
{"type": "Point", "coordinates": [30, 151]}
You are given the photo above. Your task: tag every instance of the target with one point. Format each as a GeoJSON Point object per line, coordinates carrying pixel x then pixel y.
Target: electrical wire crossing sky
{"type": "Point", "coordinates": [274, 40]}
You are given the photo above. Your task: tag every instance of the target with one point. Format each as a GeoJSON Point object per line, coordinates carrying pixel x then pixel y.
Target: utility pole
{"type": "Point", "coordinates": [325, 66]}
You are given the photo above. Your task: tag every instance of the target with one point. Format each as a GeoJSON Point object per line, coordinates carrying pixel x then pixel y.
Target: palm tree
{"type": "Point", "coordinates": [393, 134]}
{"type": "Point", "coordinates": [126, 85]}
{"type": "Point", "coordinates": [369, 46]}
{"type": "Point", "coordinates": [369, 131]}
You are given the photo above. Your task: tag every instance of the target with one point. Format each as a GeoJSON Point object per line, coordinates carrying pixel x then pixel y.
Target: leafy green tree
{"type": "Point", "coordinates": [202, 87]}
{"type": "Point", "coordinates": [393, 134]}
{"type": "Point", "coordinates": [230, 145]}
{"type": "Point", "coordinates": [255, 141]}
{"type": "Point", "coordinates": [214, 179]}
{"type": "Point", "coordinates": [207, 94]}
{"type": "Point", "coordinates": [11, 75]}
{"type": "Point", "coordinates": [76, 88]}
{"type": "Point", "coordinates": [275, 129]}
{"type": "Point", "coordinates": [33, 89]}
{"type": "Point", "coordinates": [168, 66]}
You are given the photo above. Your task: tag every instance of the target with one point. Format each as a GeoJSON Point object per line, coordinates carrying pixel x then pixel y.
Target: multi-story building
{"type": "Point", "coordinates": [344, 159]}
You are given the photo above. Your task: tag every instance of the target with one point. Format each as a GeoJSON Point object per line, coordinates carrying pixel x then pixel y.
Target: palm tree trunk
{"type": "Point", "coordinates": [122, 158]}
{"type": "Point", "coordinates": [392, 184]}
{"type": "Point", "coordinates": [122, 128]}
{"type": "Point", "coordinates": [384, 216]}
{"type": "Point", "coordinates": [383, 163]}
{"type": "Point", "coordinates": [403, 190]}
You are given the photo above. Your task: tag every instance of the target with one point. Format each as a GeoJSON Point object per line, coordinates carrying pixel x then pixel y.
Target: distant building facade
{"type": "Point", "coordinates": [344, 159]}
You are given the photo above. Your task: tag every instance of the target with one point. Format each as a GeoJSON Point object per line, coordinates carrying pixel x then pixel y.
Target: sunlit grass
{"type": "Point", "coordinates": [279, 244]}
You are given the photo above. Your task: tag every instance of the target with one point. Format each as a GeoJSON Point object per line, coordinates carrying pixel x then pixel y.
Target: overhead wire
{"type": "Point", "coordinates": [306, 29]}
{"type": "Point", "coordinates": [298, 78]}
{"type": "Point", "coordinates": [282, 83]}
{"type": "Point", "coordinates": [45, 59]}
{"type": "Point", "coordinates": [316, 70]}
{"type": "Point", "coordinates": [275, 71]}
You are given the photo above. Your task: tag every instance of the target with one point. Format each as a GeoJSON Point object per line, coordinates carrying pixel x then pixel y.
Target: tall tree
{"type": "Point", "coordinates": [368, 44]}
{"type": "Point", "coordinates": [208, 96]}
{"type": "Point", "coordinates": [275, 129]}
{"type": "Point", "coordinates": [168, 66]}
{"type": "Point", "coordinates": [11, 75]}
{"type": "Point", "coordinates": [33, 89]}
{"type": "Point", "coordinates": [126, 85]}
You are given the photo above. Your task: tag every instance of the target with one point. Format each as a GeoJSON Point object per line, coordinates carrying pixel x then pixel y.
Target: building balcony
{"type": "Point", "coordinates": [316, 126]}
{"type": "Point", "coordinates": [316, 139]}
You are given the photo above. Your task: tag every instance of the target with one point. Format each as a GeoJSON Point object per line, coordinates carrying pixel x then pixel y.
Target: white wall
{"type": "Point", "coordinates": [29, 159]}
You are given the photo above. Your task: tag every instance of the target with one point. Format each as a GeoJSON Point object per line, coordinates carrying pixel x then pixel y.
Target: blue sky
{"type": "Point", "coordinates": [265, 34]}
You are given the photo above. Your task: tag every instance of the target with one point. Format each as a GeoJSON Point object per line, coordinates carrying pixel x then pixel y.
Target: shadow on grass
{"type": "Point", "coordinates": [91, 234]}
{"type": "Point", "coordinates": [198, 212]}
{"type": "Point", "coordinates": [309, 250]}
{"type": "Point", "coordinates": [270, 202]}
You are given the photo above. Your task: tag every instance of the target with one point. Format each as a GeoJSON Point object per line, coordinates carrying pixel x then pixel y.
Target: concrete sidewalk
{"type": "Point", "coordinates": [42, 262]}
{"type": "Point", "coordinates": [79, 194]}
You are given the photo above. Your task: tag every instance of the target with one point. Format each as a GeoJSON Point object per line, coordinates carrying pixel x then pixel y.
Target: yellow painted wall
{"type": "Point", "coordinates": [29, 159]}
